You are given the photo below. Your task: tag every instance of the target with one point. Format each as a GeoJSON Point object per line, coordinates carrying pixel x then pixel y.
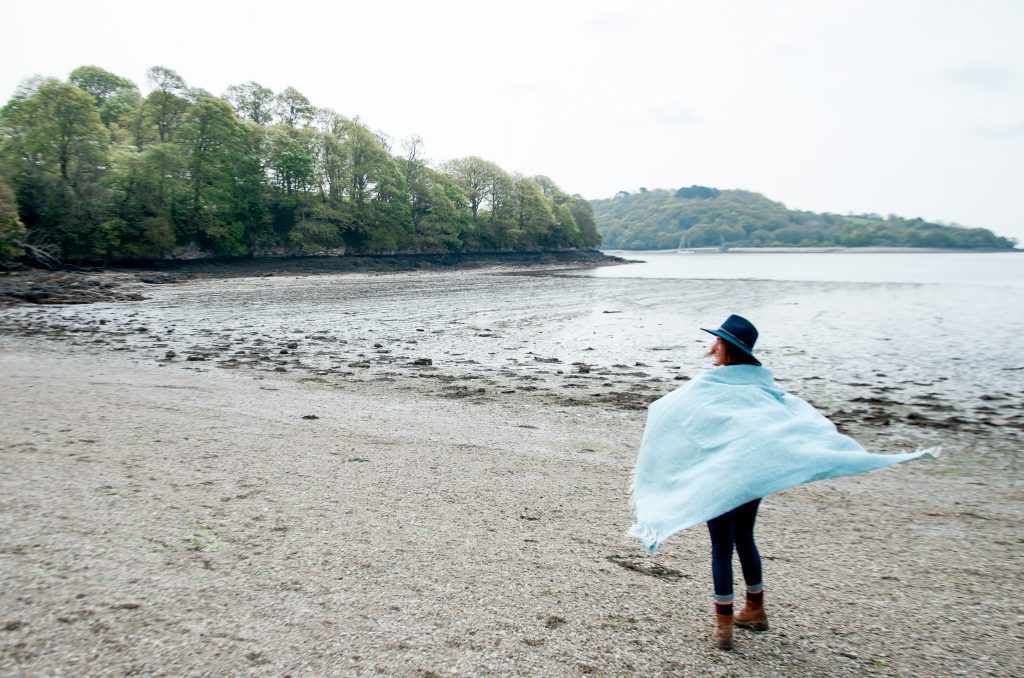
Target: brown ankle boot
{"type": "Point", "coordinates": [752, 616]}
{"type": "Point", "coordinates": [723, 631]}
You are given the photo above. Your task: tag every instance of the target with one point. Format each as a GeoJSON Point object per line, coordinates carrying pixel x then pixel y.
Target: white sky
{"type": "Point", "coordinates": [912, 107]}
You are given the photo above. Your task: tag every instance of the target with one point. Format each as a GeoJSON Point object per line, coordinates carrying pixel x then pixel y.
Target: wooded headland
{"type": "Point", "coordinates": [699, 216]}
{"type": "Point", "coordinates": [93, 169]}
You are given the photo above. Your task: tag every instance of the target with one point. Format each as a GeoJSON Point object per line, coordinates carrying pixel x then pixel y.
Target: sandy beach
{"type": "Point", "coordinates": [171, 516]}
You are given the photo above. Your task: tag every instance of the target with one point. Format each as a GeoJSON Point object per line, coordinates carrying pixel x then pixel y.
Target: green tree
{"type": "Point", "coordinates": [421, 186]}
{"type": "Point", "coordinates": [444, 221]}
{"type": "Point", "coordinates": [11, 228]}
{"type": "Point", "coordinates": [293, 108]}
{"type": "Point", "coordinates": [222, 180]}
{"type": "Point", "coordinates": [550, 189]}
{"type": "Point", "coordinates": [501, 195]}
{"type": "Point", "coordinates": [252, 101]}
{"type": "Point", "coordinates": [330, 157]}
{"type": "Point", "coordinates": [54, 150]}
{"type": "Point", "coordinates": [149, 194]}
{"type": "Point", "coordinates": [117, 98]}
{"type": "Point", "coordinates": [291, 162]}
{"type": "Point", "coordinates": [534, 217]}
{"type": "Point", "coordinates": [476, 178]}
{"type": "Point", "coordinates": [100, 83]}
{"type": "Point", "coordinates": [380, 214]}
{"type": "Point", "coordinates": [166, 105]}
{"type": "Point", "coordinates": [386, 220]}
{"type": "Point", "coordinates": [583, 216]}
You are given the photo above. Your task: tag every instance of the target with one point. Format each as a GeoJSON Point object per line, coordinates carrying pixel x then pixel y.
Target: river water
{"type": "Point", "coordinates": [927, 322]}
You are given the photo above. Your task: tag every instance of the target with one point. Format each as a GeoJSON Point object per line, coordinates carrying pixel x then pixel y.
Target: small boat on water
{"type": "Point", "coordinates": [684, 245]}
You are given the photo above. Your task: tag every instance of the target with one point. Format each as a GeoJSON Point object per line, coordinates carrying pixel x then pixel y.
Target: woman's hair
{"type": "Point", "coordinates": [736, 356]}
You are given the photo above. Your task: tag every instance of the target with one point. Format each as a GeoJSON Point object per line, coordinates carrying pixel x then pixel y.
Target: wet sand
{"type": "Point", "coordinates": [248, 506]}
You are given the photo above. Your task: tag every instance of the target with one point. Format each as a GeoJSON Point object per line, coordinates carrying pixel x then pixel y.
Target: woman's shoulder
{"type": "Point", "coordinates": [739, 375]}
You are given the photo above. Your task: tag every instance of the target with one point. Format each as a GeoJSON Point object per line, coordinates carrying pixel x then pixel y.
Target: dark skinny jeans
{"type": "Point", "coordinates": [734, 528]}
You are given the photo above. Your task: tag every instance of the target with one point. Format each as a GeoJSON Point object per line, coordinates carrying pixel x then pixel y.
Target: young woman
{"type": "Point", "coordinates": [733, 345]}
{"type": "Point", "coordinates": [706, 458]}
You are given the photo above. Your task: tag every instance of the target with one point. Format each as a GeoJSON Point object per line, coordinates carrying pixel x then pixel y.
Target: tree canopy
{"type": "Point", "coordinates": [96, 169]}
{"type": "Point", "coordinates": [704, 217]}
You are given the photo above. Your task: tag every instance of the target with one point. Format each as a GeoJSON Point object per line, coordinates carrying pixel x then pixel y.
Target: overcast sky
{"type": "Point", "coordinates": [911, 107]}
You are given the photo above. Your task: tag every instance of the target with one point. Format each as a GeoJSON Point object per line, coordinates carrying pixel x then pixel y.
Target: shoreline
{"type": "Point", "coordinates": [828, 250]}
{"type": "Point", "coordinates": [127, 283]}
{"type": "Point", "coordinates": [379, 263]}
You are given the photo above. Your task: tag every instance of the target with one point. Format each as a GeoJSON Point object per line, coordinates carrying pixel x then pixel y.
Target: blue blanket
{"type": "Point", "coordinates": [730, 436]}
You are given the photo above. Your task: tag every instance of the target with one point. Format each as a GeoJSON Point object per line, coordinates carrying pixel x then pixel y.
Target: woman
{"type": "Point", "coordinates": [714, 447]}
{"type": "Point", "coordinates": [733, 345]}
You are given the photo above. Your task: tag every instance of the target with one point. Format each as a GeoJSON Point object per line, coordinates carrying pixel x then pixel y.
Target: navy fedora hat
{"type": "Point", "coordinates": [739, 332]}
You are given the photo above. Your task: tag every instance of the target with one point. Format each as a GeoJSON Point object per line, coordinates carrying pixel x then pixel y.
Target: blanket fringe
{"type": "Point", "coordinates": [647, 535]}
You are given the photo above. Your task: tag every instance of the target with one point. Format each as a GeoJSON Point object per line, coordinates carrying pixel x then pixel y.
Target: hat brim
{"type": "Point", "coordinates": [725, 337]}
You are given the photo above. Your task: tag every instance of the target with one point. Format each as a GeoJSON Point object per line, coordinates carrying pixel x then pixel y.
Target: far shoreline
{"type": "Point", "coordinates": [822, 250]}
{"type": "Point", "coordinates": [361, 263]}
{"type": "Point", "coordinates": [124, 281]}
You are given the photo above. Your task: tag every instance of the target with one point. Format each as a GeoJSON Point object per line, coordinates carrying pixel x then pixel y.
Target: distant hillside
{"type": "Point", "coordinates": [702, 217]}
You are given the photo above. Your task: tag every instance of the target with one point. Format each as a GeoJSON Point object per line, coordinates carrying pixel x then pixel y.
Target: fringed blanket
{"type": "Point", "coordinates": [728, 437]}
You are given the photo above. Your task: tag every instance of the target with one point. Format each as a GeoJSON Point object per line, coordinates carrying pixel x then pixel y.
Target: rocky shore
{"type": "Point", "coordinates": [435, 355]}
{"type": "Point", "coordinates": [33, 286]}
{"type": "Point", "coordinates": [118, 283]}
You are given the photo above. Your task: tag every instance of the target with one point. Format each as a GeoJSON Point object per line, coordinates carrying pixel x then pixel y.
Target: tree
{"type": "Point", "coordinates": [364, 156]}
{"type": "Point", "coordinates": [294, 109]}
{"type": "Point", "coordinates": [583, 216]}
{"type": "Point", "coordinates": [252, 101]}
{"type": "Point", "coordinates": [476, 178]}
{"type": "Point", "coordinates": [380, 210]}
{"type": "Point", "coordinates": [148, 194]}
{"type": "Point", "coordinates": [550, 189]}
{"type": "Point", "coordinates": [167, 103]}
{"type": "Point", "coordinates": [535, 218]}
{"type": "Point", "coordinates": [121, 113]}
{"type": "Point", "coordinates": [290, 160]}
{"type": "Point", "coordinates": [221, 179]}
{"type": "Point", "coordinates": [694, 192]}
{"type": "Point", "coordinates": [98, 82]}
{"type": "Point", "coordinates": [387, 220]}
{"type": "Point", "coordinates": [116, 97]}
{"type": "Point", "coordinates": [444, 221]}
{"type": "Point", "coordinates": [328, 166]}
{"type": "Point", "coordinates": [330, 163]}
{"type": "Point", "coordinates": [55, 126]}
{"type": "Point", "coordinates": [419, 183]}
{"type": "Point", "coordinates": [55, 150]}
{"type": "Point", "coordinates": [500, 194]}
{"type": "Point", "coordinates": [11, 228]}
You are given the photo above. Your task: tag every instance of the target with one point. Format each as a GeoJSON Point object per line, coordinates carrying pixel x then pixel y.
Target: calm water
{"type": "Point", "coordinates": [995, 269]}
{"type": "Point", "coordinates": [928, 323]}
{"type": "Point", "coordinates": [949, 325]}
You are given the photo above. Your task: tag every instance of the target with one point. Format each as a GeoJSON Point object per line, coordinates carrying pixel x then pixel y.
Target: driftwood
{"type": "Point", "coordinates": [39, 255]}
